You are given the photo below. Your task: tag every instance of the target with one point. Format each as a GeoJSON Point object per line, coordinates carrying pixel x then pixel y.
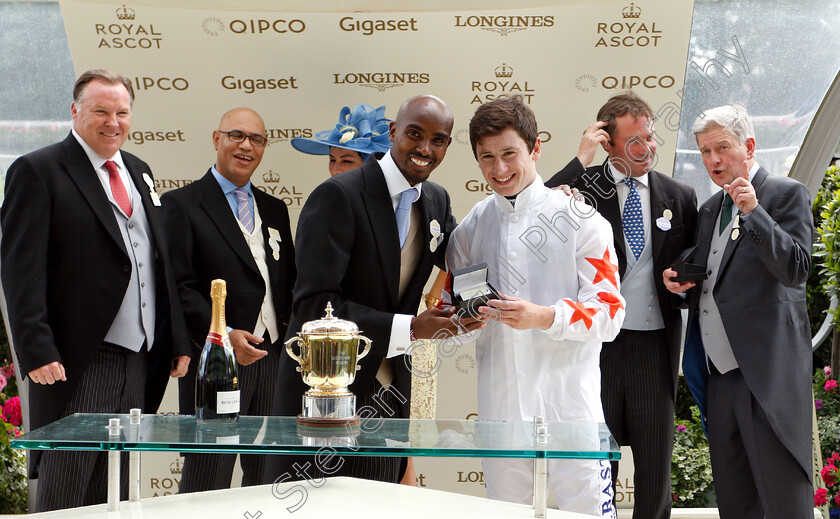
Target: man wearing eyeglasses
{"type": "Point", "coordinates": [221, 226]}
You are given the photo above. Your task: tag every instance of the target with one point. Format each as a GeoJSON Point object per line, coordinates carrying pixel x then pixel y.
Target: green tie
{"type": "Point", "coordinates": [726, 213]}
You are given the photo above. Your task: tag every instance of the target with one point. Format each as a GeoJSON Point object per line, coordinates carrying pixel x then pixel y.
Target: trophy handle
{"type": "Point", "coordinates": [364, 352]}
{"type": "Point", "coordinates": [289, 345]}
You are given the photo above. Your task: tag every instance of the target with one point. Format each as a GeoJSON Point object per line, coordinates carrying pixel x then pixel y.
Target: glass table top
{"type": "Point", "coordinates": [282, 435]}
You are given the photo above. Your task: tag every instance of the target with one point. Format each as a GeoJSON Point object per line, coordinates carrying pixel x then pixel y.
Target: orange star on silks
{"type": "Point", "coordinates": [612, 300]}
{"type": "Point", "coordinates": [604, 269]}
{"type": "Point", "coordinates": [581, 313]}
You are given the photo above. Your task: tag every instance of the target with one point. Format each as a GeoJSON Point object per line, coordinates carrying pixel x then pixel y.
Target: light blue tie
{"type": "Point", "coordinates": [632, 220]}
{"type": "Point", "coordinates": [243, 209]}
{"type": "Point", "coordinates": [403, 208]}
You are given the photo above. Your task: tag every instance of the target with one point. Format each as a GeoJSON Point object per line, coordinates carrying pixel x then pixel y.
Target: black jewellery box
{"type": "Point", "coordinates": [687, 271]}
{"type": "Point", "coordinates": [470, 289]}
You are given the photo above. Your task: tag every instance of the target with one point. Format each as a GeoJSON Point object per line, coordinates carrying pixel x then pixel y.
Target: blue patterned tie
{"type": "Point", "coordinates": [403, 208]}
{"type": "Point", "coordinates": [632, 220]}
{"type": "Point", "coordinates": [243, 209]}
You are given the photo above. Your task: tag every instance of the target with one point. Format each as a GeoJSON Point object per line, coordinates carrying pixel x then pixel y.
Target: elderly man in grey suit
{"type": "Point", "coordinates": [747, 354]}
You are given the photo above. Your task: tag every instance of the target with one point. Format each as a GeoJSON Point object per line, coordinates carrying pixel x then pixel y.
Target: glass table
{"type": "Point", "coordinates": [538, 440]}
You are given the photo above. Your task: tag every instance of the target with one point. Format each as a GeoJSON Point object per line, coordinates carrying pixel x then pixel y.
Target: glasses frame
{"type": "Point", "coordinates": [250, 138]}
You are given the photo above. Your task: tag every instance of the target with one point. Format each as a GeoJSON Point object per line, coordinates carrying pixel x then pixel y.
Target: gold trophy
{"type": "Point", "coordinates": [329, 355]}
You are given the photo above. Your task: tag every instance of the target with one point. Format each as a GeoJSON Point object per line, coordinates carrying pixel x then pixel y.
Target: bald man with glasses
{"type": "Point", "coordinates": [221, 226]}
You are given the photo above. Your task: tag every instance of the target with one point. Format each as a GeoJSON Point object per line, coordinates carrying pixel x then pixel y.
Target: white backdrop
{"type": "Point", "coordinates": [297, 67]}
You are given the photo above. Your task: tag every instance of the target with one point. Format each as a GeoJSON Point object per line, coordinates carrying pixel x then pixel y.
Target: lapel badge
{"type": "Point", "coordinates": [663, 222]}
{"type": "Point", "coordinates": [274, 242]}
{"type": "Point", "coordinates": [437, 235]}
{"type": "Point", "coordinates": [152, 193]}
{"type": "Point", "coordinates": [736, 227]}
{"type": "Point", "coordinates": [667, 214]}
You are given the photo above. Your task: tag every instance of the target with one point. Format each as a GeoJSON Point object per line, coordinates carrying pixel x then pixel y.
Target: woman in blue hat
{"type": "Point", "coordinates": [359, 132]}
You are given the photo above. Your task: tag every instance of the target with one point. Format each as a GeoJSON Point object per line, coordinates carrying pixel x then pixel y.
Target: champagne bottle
{"type": "Point", "coordinates": [217, 379]}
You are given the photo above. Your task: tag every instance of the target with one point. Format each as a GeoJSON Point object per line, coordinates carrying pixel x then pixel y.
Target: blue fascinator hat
{"type": "Point", "coordinates": [363, 130]}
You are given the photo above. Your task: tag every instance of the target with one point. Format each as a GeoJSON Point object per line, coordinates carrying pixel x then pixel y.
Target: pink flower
{"type": "Point", "coordinates": [682, 428]}
{"type": "Point", "coordinates": [11, 411]}
{"type": "Point", "coordinates": [818, 404]}
{"type": "Point", "coordinates": [827, 370]}
{"type": "Point", "coordinates": [837, 499]}
{"type": "Point", "coordinates": [830, 385]}
{"type": "Point", "coordinates": [3, 381]}
{"type": "Point", "coordinates": [829, 474]}
{"type": "Point", "coordinates": [820, 497]}
{"type": "Point", "coordinates": [834, 459]}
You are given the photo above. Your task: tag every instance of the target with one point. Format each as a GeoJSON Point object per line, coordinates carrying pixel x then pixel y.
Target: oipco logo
{"type": "Point", "coordinates": [588, 82]}
{"type": "Point", "coordinates": [501, 85]}
{"type": "Point", "coordinates": [124, 32]}
{"type": "Point", "coordinates": [214, 26]}
{"type": "Point", "coordinates": [631, 30]}
{"type": "Point", "coordinates": [165, 84]}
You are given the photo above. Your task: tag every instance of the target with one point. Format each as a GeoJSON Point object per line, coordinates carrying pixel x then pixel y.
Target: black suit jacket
{"type": "Point", "coordinates": [65, 271]}
{"type": "Point", "coordinates": [207, 244]}
{"type": "Point", "coordinates": [665, 193]}
{"type": "Point", "coordinates": [348, 253]}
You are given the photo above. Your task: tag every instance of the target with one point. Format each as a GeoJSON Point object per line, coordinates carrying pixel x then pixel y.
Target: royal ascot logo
{"type": "Point", "coordinates": [465, 363]}
{"type": "Point", "coordinates": [381, 81]}
{"type": "Point", "coordinates": [253, 85]}
{"type": "Point", "coordinates": [628, 31]}
{"type": "Point", "coordinates": [276, 135]}
{"type": "Point", "coordinates": [369, 27]}
{"type": "Point", "coordinates": [502, 86]}
{"type": "Point", "coordinates": [271, 177]}
{"type": "Point", "coordinates": [288, 194]}
{"type": "Point", "coordinates": [588, 82]}
{"type": "Point", "coordinates": [504, 25]}
{"type": "Point", "coordinates": [140, 137]}
{"type": "Point", "coordinates": [170, 484]}
{"type": "Point", "coordinates": [214, 26]}
{"type": "Point", "coordinates": [125, 33]}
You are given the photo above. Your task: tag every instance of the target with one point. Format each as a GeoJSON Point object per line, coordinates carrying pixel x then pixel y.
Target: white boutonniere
{"type": "Point", "coordinates": [437, 235]}
{"type": "Point", "coordinates": [274, 242]}
{"type": "Point", "coordinates": [152, 193]}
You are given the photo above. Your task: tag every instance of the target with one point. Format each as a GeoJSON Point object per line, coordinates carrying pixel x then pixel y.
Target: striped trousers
{"type": "Point", "coordinates": [638, 399]}
{"type": "Point", "coordinates": [114, 382]}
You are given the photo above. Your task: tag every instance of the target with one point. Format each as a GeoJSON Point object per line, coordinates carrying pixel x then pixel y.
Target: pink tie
{"type": "Point", "coordinates": [117, 188]}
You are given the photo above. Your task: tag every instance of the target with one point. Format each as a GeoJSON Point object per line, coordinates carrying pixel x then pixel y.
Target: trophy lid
{"type": "Point", "coordinates": [329, 325]}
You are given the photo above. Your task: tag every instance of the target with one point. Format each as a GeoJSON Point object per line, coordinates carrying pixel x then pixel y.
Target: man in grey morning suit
{"type": "Point", "coordinates": [639, 368]}
{"type": "Point", "coordinates": [748, 344]}
{"type": "Point", "coordinates": [93, 310]}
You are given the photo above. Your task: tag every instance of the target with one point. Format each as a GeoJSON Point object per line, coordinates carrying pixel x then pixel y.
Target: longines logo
{"type": "Point", "coordinates": [369, 27]}
{"type": "Point", "coordinates": [251, 85]}
{"type": "Point", "coordinates": [142, 137]}
{"type": "Point", "coordinates": [465, 363]}
{"type": "Point", "coordinates": [381, 80]}
{"type": "Point", "coordinates": [288, 194]}
{"type": "Point", "coordinates": [588, 82]}
{"type": "Point", "coordinates": [504, 25]}
{"type": "Point", "coordinates": [284, 134]}
{"type": "Point", "coordinates": [162, 185]}
{"type": "Point", "coordinates": [502, 86]}
{"type": "Point", "coordinates": [213, 26]}
{"type": "Point", "coordinates": [125, 33]}
{"type": "Point", "coordinates": [629, 31]}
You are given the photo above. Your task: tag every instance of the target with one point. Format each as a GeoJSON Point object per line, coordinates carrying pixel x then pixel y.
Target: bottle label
{"type": "Point", "coordinates": [227, 402]}
{"type": "Point", "coordinates": [215, 338]}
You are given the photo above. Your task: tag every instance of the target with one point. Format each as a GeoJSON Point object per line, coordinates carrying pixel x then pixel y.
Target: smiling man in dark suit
{"type": "Point", "coordinates": [748, 343]}
{"type": "Point", "coordinates": [221, 226]}
{"type": "Point", "coordinates": [356, 251]}
{"type": "Point", "coordinates": [653, 218]}
{"type": "Point", "coordinates": [93, 310]}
